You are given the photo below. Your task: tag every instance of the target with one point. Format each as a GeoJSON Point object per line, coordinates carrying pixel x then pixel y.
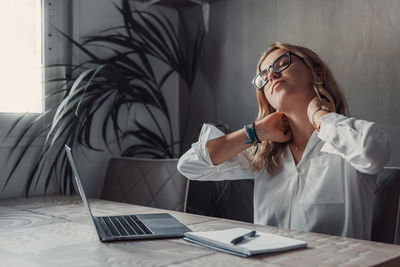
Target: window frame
{"type": "Point", "coordinates": [55, 50]}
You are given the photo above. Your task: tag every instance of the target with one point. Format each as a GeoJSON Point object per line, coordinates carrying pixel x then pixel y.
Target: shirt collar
{"type": "Point", "coordinates": [308, 150]}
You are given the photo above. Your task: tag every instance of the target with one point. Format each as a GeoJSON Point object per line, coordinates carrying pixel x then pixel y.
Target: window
{"type": "Point", "coordinates": [21, 56]}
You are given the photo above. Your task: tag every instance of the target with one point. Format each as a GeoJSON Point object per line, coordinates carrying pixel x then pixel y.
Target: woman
{"type": "Point", "coordinates": [314, 167]}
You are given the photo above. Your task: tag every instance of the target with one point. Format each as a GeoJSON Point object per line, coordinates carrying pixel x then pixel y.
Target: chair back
{"type": "Point", "coordinates": [385, 219]}
{"type": "Point", "coordinates": [148, 182]}
{"type": "Point", "coordinates": [223, 199]}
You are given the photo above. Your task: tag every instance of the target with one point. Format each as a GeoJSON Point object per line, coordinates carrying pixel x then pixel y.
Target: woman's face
{"type": "Point", "coordinates": [291, 88]}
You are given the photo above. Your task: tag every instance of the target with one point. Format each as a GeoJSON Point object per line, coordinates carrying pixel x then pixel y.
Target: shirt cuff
{"type": "Point", "coordinates": [208, 132]}
{"type": "Point", "coordinates": [329, 124]}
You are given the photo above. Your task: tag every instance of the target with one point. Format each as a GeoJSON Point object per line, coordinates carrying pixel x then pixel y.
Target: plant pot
{"type": "Point", "coordinates": [148, 182]}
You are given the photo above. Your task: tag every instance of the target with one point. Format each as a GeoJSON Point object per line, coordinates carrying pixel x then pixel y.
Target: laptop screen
{"type": "Point", "coordinates": [78, 180]}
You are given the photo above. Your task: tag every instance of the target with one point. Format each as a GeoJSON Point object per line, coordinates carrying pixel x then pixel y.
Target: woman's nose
{"type": "Point", "coordinates": [273, 75]}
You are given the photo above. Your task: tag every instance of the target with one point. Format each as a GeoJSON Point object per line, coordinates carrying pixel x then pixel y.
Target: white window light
{"type": "Point", "coordinates": [21, 87]}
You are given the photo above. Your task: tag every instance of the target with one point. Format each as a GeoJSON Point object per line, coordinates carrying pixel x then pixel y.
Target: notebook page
{"type": "Point", "coordinates": [264, 242]}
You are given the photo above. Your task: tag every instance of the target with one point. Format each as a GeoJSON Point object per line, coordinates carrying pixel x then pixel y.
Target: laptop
{"type": "Point", "coordinates": [131, 226]}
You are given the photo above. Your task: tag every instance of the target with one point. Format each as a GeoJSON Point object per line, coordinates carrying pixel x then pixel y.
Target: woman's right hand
{"type": "Point", "coordinates": [274, 128]}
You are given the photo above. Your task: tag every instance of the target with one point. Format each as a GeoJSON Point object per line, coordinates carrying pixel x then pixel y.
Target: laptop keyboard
{"type": "Point", "coordinates": [123, 225]}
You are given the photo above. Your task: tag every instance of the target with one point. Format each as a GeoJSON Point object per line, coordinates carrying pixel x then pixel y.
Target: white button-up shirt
{"type": "Point", "coordinates": [331, 189]}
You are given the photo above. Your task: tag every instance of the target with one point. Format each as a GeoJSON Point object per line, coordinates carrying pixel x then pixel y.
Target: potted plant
{"type": "Point", "coordinates": [101, 88]}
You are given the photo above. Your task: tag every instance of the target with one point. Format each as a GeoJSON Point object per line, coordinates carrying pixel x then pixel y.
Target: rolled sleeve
{"type": "Point", "coordinates": [196, 163]}
{"type": "Point", "coordinates": [362, 143]}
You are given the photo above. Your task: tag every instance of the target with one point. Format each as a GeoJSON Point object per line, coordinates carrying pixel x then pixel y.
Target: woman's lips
{"type": "Point", "coordinates": [276, 84]}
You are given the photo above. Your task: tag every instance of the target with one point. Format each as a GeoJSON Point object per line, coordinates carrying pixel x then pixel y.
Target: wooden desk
{"type": "Point", "coordinates": [55, 231]}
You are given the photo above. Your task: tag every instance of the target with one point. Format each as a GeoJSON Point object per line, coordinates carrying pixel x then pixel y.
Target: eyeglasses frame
{"type": "Point", "coordinates": [289, 53]}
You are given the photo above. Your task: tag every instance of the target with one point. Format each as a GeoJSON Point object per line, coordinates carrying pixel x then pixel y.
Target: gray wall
{"type": "Point", "coordinates": [358, 39]}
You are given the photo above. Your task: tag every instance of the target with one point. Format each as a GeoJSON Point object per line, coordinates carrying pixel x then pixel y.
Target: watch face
{"type": "Point", "coordinates": [323, 107]}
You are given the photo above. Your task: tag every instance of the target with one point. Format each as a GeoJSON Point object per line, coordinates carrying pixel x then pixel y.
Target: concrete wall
{"type": "Point", "coordinates": [358, 39]}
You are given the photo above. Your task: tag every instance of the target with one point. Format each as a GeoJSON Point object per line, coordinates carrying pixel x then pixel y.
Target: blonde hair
{"type": "Point", "coordinates": [269, 154]}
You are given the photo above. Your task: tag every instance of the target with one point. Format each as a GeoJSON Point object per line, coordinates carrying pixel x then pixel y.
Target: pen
{"type": "Point", "coordinates": [239, 239]}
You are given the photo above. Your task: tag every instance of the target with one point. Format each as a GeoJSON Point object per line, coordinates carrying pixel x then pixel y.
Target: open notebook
{"type": "Point", "coordinates": [263, 243]}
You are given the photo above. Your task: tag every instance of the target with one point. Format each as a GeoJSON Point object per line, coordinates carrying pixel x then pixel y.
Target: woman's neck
{"type": "Point", "coordinates": [301, 129]}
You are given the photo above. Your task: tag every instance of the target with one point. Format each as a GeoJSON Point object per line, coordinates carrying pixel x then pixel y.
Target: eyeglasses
{"type": "Point", "coordinates": [279, 65]}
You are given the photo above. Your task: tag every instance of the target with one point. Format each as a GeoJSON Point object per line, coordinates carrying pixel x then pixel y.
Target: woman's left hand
{"type": "Point", "coordinates": [314, 105]}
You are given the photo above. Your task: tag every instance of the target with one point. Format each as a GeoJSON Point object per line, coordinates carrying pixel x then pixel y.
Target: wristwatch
{"type": "Point", "coordinates": [322, 107]}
